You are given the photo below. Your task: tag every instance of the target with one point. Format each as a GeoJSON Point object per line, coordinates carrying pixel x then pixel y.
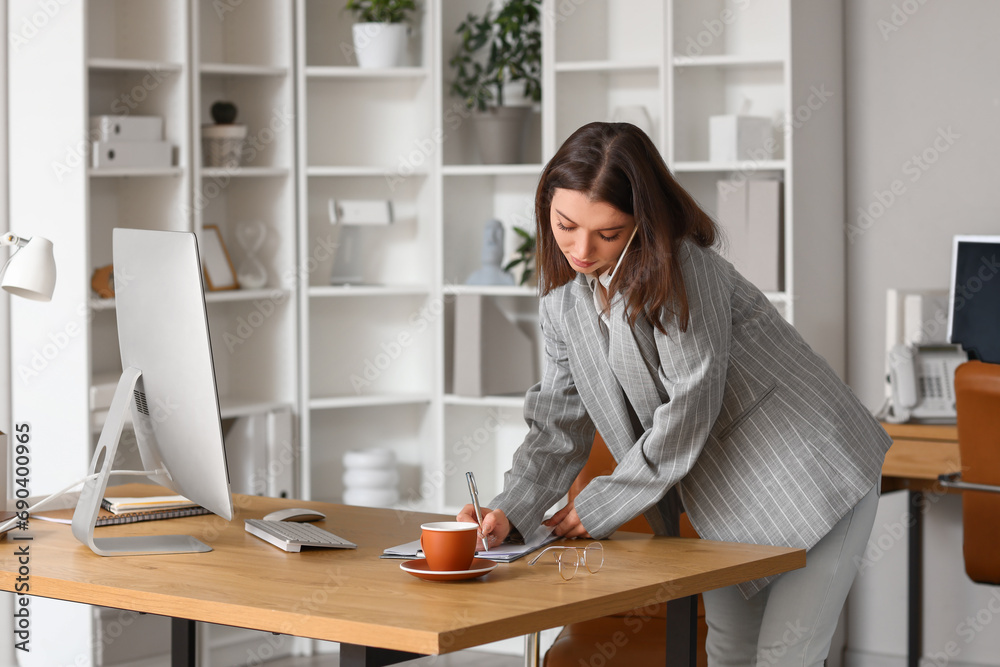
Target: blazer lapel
{"type": "Point", "coordinates": [597, 383]}
{"type": "Point", "coordinates": [634, 360]}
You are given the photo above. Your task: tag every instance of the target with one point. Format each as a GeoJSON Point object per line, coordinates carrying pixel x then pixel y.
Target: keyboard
{"type": "Point", "coordinates": [292, 536]}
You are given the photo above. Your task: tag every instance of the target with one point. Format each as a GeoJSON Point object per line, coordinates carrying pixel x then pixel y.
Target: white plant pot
{"type": "Point", "coordinates": [500, 134]}
{"type": "Point", "coordinates": [379, 44]}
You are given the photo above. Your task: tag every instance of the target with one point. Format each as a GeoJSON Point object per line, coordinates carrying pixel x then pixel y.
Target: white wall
{"type": "Point", "coordinates": [922, 76]}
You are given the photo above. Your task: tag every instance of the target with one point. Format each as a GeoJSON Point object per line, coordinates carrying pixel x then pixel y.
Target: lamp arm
{"type": "Point", "coordinates": [13, 239]}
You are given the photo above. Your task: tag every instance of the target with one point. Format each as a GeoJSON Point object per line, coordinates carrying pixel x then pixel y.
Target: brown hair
{"type": "Point", "coordinates": [616, 163]}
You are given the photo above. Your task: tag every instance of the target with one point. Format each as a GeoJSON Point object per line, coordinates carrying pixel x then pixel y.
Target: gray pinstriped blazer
{"type": "Point", "coordinates": [766, 444]}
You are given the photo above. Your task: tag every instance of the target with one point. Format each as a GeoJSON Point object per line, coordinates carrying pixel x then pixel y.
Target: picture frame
{"type": "Point", "coordinates": [218, 266]}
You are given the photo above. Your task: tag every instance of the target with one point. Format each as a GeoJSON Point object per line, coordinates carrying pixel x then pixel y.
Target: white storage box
{"type": "Point", "coordinates": [732, 138]}
{"type": "Point", "coordinates": [126, 128]}
{"type": "Point", "coordinates": [110, 154]}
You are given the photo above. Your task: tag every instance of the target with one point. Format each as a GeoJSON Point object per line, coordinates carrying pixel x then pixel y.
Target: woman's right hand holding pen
{"type": "Point", "coordinates": [495, 526]}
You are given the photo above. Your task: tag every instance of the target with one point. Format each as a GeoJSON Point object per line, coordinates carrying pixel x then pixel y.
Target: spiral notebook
{"type": "Point", "coordinates": [106, 518]}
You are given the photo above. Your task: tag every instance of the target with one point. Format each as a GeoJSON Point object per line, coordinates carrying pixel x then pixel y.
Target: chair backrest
{"type": "Point", "coordinates": [600, 463]}
{"type": "Point", "coordinates": [977, 395]}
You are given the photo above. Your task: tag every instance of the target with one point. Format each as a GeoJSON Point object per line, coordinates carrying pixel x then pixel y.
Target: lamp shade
{"type": "Point", "coordinates": [31, 271]}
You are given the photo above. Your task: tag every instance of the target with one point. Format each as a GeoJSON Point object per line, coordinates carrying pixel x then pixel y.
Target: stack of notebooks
{"type": "Point", "coordinates": [118, 510]}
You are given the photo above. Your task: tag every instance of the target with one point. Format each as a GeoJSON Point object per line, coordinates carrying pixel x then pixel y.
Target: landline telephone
{"type": "Point", "coordinates": [922, 378]}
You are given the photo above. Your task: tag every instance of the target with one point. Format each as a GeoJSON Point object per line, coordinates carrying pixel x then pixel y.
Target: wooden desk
{"type": "Point", "coordinates": [919, 453]}
{"type": "Point", "coordinates": [357, 599]}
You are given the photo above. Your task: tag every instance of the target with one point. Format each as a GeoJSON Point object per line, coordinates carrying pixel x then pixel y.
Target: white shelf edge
{"type": "Point", "coordinates": [485, 401]}
{"type": "Point", "coordinates": [236, 69]}
{"type": "Point", "coordinates": [132, 65]}
{"type": "Point", "coordinates": [608, 66]}
{"type": "Point", "coordinates": [102, 304]}
{"type": "Point", "coordinates": [244, 172]}
{"type": "Point", "coordinates": [329, 291]}
{"type": "Point", "coordinates": [342, 402]}
{"type": "Point", "coordinates": [322, 72]}
{"type": "Point", "coordinates": [744, 165]}
{"type": "Point", "coordinates": [491, 290]}
{"type": "Point", "coordinates": [778, 297]}
{"type": "Point", "coordinates": [230, 406]}
{"type": "Point", "coordinates": [137, 172]}
{"type": "Point", "coordinates": [728, 61]}
{"type": "Point", "coordinates": [492, 170]}
{"type": "Point", "coordinates": [223, 296]}
{"type": "Point", "coordinates": [381, 172]}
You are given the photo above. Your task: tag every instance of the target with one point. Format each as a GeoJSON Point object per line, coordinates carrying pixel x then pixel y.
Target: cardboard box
{"type": "Point", "coordinates": [126, 128]}
{"type": "Point", "coordinates": [117, 154]}
{"type": "Point", "coordinates": [732, 138]}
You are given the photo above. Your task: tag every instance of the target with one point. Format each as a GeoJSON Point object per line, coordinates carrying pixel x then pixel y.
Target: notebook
{"type": "Point", "coordinates": [503, 553]}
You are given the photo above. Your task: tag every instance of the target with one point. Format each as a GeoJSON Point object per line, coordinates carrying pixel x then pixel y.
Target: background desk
{"type": "Point", "coordinates": [919, 453]}
{"type": "Point", "coordinates": [377, 612]}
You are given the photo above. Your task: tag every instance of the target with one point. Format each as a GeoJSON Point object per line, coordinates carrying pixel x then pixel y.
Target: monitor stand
{"type": "Point", "coordinates": [89, 504]}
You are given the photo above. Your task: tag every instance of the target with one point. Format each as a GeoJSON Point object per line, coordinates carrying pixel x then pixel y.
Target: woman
{"type": "Point", "coordinates": [693, 379]}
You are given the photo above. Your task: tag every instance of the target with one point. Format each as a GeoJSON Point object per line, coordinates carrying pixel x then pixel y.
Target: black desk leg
{"type": "Point", "coordinates": [354, 655]}
{"type": "Point", "coordinates": [682, 632]}
{"type": "Point", "coordinates": [915, 581]}
{"type": "Point", "coordinates": [183, 643]}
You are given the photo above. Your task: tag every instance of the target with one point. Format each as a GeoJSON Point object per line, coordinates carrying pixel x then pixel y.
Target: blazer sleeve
{"type": "Point", "coordinates": [560, 435]}
{"type": "Point", "coordinates": [693, 367]}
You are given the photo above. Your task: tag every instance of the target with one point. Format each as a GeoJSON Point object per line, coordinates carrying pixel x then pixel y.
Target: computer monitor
{"type": "Point", "coordinates": [974, 299]}
{"type": "Point", "coordinates": [168, 385]}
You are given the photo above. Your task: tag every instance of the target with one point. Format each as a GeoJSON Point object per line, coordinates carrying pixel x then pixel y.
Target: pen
{"type": "Point", "coordinates": [474, 492]}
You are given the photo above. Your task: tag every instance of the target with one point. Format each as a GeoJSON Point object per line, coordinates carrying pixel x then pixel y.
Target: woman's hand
{"type": "Point", "coordinates": [566, 523]}
{"type": "Point", "coordinates": [495, 526]}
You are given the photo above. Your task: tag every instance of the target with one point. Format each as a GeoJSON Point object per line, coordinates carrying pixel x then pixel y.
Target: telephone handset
{"type": "Point", "coordinates": [922, 379]}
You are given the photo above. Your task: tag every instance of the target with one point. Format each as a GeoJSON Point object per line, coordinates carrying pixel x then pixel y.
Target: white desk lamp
{"type": "Point", "coordinates": [31, 270]}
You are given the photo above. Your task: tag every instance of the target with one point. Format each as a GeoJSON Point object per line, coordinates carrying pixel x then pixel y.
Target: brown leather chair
{"type": "Point", "coordinates": [977, 396]}
{"type": "Point", "coordinates": [642, 633]}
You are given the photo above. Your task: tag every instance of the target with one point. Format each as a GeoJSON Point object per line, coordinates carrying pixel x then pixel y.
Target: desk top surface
{"type": "Point", "coordinates": [919, 453]}
{"type": "Point", "coordinates": [353, 596]}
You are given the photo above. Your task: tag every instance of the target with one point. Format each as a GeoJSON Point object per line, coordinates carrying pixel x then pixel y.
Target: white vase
{"type": "Point", "coordinates": [379, 44]}
{"type": "Point", "coordinates": [500, 134]}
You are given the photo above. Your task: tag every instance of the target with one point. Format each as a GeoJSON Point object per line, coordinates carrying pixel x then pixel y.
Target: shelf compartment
{"type": "Point", "coordinates": [586, 96]}
{"type": "Point", "coordinates": [253, 35]}
{"type": "Point", "coordinates": [349, 402]}
{"type": "Point", "coordinates": [146, 31]}
{"type": "Point", "coordinates": [264, 105]}
{"type": "Point", "coordinates": [371, 123]}
{"type": "Point", "coordinates": [406, 429]}
{"type": "Point", "coordinates": [703, 92]}
{"type": "Point", "coordinates": [609, 30]}
{"type": "Point", "coordinates": [228, 203]}
{"type": "Point", "coordinates": [329, 41]}
{"type": "Point", "coordinates": [471, 201]}
{"type": "Point", "coordinates": [396, 255]}
{"type": "Point", "coordinates": [729, 27]}
{"type": "Point", "coordinates": [363, 347]}
{"type": "Point", "coordinates": [140, 203]}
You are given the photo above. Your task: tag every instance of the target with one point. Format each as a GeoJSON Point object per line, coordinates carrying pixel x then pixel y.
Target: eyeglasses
{"type": "Point", "coordinates": [570, 558]}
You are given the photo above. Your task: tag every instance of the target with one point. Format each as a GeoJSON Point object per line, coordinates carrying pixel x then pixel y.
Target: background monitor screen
{"type": "Point", "coordinates": [974, 299]}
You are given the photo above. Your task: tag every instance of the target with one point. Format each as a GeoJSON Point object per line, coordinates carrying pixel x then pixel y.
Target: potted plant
{"type": "Point", "coordinates": [524, 256]}
{"type": "Point", "coordinates": [380, 33]}
{"type": "Point", "coordinates": [496, 51]}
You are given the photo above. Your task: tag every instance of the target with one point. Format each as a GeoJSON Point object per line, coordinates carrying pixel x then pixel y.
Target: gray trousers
{"type": "Point", "coordinates": [791, 622]}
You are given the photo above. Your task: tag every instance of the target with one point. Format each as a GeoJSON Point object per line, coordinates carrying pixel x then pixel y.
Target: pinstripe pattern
{"type": "Point", "coordinates": [768, 446]}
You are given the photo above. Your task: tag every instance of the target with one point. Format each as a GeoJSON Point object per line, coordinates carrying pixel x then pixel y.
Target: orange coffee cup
{"type": "Point", "coordinates": [448, 546]}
